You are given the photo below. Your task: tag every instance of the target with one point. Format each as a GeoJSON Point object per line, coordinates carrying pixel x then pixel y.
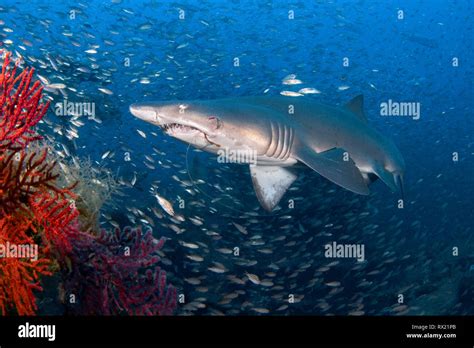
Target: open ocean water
{"type": "Point", "coordinates": [224, 253]}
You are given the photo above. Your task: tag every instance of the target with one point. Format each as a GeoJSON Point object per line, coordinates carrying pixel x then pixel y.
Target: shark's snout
{"type": "Point", "coordinates": [143, 112]}
{"type": "Point", "coordinates": [173, 121]}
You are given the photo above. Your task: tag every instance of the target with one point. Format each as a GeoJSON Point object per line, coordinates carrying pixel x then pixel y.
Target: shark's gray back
{"type": "Point", "coordinates": [320, 126]}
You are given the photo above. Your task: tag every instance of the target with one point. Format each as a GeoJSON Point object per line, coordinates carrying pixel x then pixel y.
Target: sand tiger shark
{"type": "Point", "coordinates": [336, 142]}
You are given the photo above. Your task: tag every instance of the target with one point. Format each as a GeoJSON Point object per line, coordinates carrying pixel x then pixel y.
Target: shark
{"type": "Point", "coordinates": [283, 133]}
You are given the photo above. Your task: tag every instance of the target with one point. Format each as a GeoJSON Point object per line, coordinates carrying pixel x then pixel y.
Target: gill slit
{"type": "Point", "coordinates": [272, 146]}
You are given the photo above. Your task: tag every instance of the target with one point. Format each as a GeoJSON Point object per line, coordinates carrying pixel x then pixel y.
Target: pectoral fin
{"type": "Point", "coordinates": [270, 184]}
{"type": "Point", "coordinates": [332, 164]}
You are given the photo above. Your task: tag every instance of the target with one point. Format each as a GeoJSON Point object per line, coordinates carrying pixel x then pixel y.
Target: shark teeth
{"type": "Point", "coordinates": [176, 127]}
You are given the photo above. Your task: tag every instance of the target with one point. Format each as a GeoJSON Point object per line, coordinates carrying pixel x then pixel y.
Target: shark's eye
{"type": "Point", "coordinates": [215, 121]}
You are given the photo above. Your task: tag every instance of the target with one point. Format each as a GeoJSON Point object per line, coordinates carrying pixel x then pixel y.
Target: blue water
{"type": "Point", "coordinates": [407, 59]}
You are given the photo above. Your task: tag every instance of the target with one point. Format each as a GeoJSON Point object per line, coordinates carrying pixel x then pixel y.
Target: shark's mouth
{"type": "Point", "coordinates": [184, 132]}
{"type": "Point", "coordinates": [174, 128]}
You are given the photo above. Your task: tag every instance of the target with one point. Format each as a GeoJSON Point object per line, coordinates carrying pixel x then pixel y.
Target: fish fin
{"type": "Point", "coordinates": [370, 178]}
{"type": "Point", "coordinates": [385, 176]}
{"type": "Point", "coordinates": [356, 106]}
{"type": "Point", "coordinates": [270, 184]}
{"type": "Point", "coordinates": [399, 180]}
{"type": "Point", "coordinates": [332, 165]}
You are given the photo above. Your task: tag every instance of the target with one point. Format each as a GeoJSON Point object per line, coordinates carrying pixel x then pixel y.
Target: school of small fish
{"type": "Point", "coordinates": [223, 253]}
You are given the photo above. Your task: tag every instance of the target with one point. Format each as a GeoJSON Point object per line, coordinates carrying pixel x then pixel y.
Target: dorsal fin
{"type": "Point", "coordinates": [356, 106]}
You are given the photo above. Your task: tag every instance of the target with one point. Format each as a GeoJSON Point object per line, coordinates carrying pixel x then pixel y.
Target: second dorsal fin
{"type": "Point", "coordinates": [356, 106]}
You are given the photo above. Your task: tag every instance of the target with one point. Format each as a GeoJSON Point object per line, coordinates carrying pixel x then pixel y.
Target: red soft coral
{"type": "Point", "coordinates": [55, 215]}
{"type": "Point", "coordinates": [19, 277]}
{"type": "Point", "coordinates": [20, 106]}
{"type": "Point", "coordinates": [27, 188]}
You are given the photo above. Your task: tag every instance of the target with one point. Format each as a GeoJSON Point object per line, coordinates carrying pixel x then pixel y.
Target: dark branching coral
{"type": "Point", "coordinates": [118, 273]}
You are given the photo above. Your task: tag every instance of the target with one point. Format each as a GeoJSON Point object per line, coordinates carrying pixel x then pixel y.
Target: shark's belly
{"type": "Point", "coordinates": [270, 161]}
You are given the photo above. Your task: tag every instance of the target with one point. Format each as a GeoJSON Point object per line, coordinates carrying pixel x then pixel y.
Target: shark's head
{"type": "Point", "coordinates": [205, 125]}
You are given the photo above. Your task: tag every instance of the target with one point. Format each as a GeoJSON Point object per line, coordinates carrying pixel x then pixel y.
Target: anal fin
{"type": "Point", "coordinates": [270, 184]}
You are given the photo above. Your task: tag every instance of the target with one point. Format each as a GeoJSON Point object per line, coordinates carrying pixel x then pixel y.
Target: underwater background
{"type": "Point", "coordinates": [115, 53]}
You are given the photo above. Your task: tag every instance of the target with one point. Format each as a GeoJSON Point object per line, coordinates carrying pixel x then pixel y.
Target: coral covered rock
{"type": "Point", "coordinates": [54, 209]}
